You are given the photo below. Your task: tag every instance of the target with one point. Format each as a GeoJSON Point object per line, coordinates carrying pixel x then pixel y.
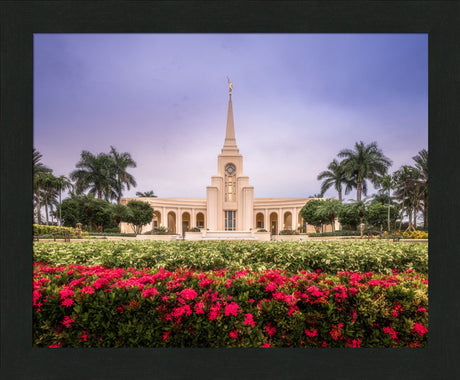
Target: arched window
{"type": "Point", "coordinates": [230, 183]}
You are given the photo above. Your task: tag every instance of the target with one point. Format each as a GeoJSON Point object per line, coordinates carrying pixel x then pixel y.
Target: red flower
{"type": "Point", "coordinates": [188, 294]}
{"type": "Point", "coordinates": [67, 321]}
{"type": "Point", "coordinates": [55, 345]}
{"type": "Point", "coordinates": [67, 302]}
{"type": "Point", "coordinates": [232, 309]}
{"type": "Point", "coordinates": [166, 335]}
{"type": "Point", "coordinates": [336, 331]}
{"type": "Point", "coordinates": [149, 292]}
{"type": "Point", "coordinates": [234, 334]}
{"type": "Point", "coordinates": [249, 320]}
{"type": "Point", "coordinates": [419, 329]}
{"type": "Point", "coordinates": [390, 331]}
{"type": "Point", "coordinates": [271, 330]}
{"type": "Point", "coordinates": [266, 345]}
{"type": "Point", "coordinates": [311, 333]}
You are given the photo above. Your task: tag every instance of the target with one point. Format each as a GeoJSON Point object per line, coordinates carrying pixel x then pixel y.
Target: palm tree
{"type": "Point", "coordinates": [46, 182]}
{"type": "Point", "coordinates": [94, 173]}
{"type": "Point", "coordinates": [335, 176]}
{"type": "Point", "coordinates": [38, 169]}
{"type": "Point", "coordinates": [146, 194]}
{"type": "Point", "coordinates": [421, 163]}
{"type": "Point", "coordinates": [365, 162]}
{"type": "Point", "coordinates": [330, 208]}
{"type": "Point", "coordinates": [122, 161]}
{"type": "Point", "coordinates": [385, 183]}
{"type": "Point", "coordinates": [62, 183]}
{"type": "Point", "coordinates": [405, 180]}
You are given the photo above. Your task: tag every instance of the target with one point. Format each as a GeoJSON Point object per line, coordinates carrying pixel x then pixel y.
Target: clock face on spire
{"type": "Point", "coordinates": [230, 169]}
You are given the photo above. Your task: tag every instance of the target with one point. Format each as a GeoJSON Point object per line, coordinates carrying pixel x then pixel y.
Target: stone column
{"type": "Point", "coordinates": [179, 221]}
{"type": "Point", "coordinates": [193, 219]}
{"type": "Point", "coordinates": [266, 220]}
{"type": "Point", "coordinates": [164, 217]}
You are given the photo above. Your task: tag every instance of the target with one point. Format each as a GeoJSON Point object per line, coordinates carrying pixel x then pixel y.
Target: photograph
{"type": "Point", "coordinates": [230, 190]}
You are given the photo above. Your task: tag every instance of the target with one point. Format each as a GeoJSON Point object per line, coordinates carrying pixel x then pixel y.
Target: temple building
{"type": "Point", "coordinates": [229, 209]}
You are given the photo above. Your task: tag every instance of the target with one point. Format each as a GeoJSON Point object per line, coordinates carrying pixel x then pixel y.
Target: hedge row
{"type": "Point", "coordinates": [329, 256]}
{"type": "Point", "coordinates": [41, 229]}
{"type": "Point", "coordinates": [79, 306]}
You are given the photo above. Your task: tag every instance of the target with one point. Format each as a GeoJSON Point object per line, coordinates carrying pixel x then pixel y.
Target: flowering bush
{"type": "Point", "coordinates": [82, 306]}
{"type": "Point", "coordinates": [41, 229]}
{"type": "Point", "coordinates": [416, 234]}
{"type": "Point", "coordinates": [329, 256]}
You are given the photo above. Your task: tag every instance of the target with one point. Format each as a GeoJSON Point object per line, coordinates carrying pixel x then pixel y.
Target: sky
{"type": "Point", "coordinates": [298, 100]}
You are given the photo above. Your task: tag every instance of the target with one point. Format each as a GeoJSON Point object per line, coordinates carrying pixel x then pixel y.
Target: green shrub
{"type": "Point", "coordinates": [98, 307]}
{"type": "Point", "coordinates": [380, 256]}
{"type": "Point", "coordinates": [288, 232]}
{"type": "Point", "coordinates": [40, 230]}
{"type": "Point", "coordinates": [115, 230]}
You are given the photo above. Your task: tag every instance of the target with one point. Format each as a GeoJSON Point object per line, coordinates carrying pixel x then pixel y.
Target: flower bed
{"type": "Point", "coordinates": [81, 306]}
{"type": "Point", "coordinates": [329, 256]}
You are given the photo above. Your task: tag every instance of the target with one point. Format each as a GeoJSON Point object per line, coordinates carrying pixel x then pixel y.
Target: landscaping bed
{"type": "Point", "coordinates": [84, 306]}
{"type": "Point", "coordinates": [379, 256]}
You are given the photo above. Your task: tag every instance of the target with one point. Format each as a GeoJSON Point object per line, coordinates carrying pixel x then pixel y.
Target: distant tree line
{"type": "Point", "coordinates": [404, 192]}
{"type": "Point", "coordinates": [103, 176]}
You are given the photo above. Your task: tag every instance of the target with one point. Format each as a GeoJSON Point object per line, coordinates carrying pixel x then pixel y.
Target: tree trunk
{"type": "Point", "coordinates": [99, 193]}
{"type": "Point", "coordinates": [39, 215]}
{"type": "Point", "coordinates": [358, 191]}
{"type": "Point", "coordinates": [60, 206]}
{"type": "Point", "coordinates": [340, 195]}
{"type": "Point", "coordinates": [46, 211]}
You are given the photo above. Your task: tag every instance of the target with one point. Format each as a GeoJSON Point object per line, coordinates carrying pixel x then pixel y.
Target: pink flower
{"type": "Point", "coordinates": [234, 334]}
{"type": "Point", "coordinates": [214, 311]}
{"type": "Point", "coordinates": [149, 292]}
{"type": "Point", "coordinates": [355, 315]}
{"type": "Point", "coordinates": [421, 309]}
{"type": "Point", "coordinates": [87, 290]}
{"type": "Point", "coordinates": [67, 321]}
{"type": "Point", "coordinates": [311, 333]}
{"type": "Point", "coordinates": [166, 335]}
{"type": "Point", "coordinates": [266, 345]}
{"type": "Point", "coordinates": [65, 292]}
{"type": "Point", "coordinates": [336, 331]}
{"type": "Point", "coordinates": [419, 329]}
{"type": "Point", "coordinates": [271, 287]}
{"type": "Point", "coordinates": [199, 307]}
{"type": "Point", "coordinates": [55, 345]}
{"type": "Point", "coordinates": [249, 320]}
{"type": "Point", "coordinates": [232, 309]}
{"type": "Point", "coordinates": [83, 336]}
{"type": "Point", "coordinates": [390, 331]}
{"type": "Point", "coordinates": [67, 302]}
{"type": "Point", "coordinates": [324, 344]}
{"type": "Point", "coordinates": [188, 294]}
{"type": "Point", "coordinates": [271, 330]}
{"type": "Point", "coordinates": [356, 343]}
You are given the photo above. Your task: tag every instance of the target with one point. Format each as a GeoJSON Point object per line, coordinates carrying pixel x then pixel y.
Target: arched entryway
{"type": "Point", "coordinates": [185, 221]}
{"type": "Point", "coordinates": [200, 220]}
{"type": "Point", "coordinates": [260, 220]}
{"type": "Point", "coordinates": [172, 222]}
{"type": "Point", "coordinates": [274, 223]}
{"type": "Point", "coordinates": [156, 219]}
{"type": "Point", "coordinates": [287, 223]}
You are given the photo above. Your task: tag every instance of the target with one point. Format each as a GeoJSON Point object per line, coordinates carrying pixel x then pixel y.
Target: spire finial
{"type": "Point", "coordinates": [230, 86]}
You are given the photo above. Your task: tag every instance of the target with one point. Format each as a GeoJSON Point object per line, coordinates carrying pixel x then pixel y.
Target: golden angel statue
{"type": "Point", "coordinates": [230, 85]}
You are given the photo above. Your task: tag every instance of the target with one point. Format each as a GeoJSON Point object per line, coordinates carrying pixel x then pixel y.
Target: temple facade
{"type": "Point", "coordinates": [229, 208]}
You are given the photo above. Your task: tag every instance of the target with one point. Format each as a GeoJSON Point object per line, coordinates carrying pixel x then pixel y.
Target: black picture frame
{"type": "Point", "coordinates": [20, 20]}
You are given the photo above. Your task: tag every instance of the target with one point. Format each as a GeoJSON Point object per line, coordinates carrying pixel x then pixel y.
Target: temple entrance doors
{"type": "Point", "coordinates": [274, 223]}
